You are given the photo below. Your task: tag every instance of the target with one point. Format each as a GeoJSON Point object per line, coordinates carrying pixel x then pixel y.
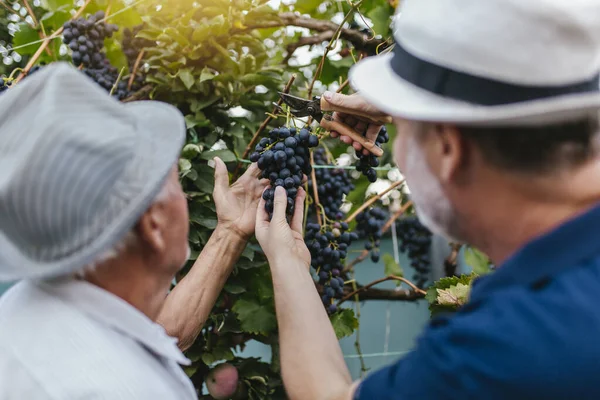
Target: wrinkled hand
{"type": "Point", "coordinates": [236, 204]}
{"type": "Point", "coordinates": [355, 102]}
{"type": "Point", "coordinates": [282, 242]}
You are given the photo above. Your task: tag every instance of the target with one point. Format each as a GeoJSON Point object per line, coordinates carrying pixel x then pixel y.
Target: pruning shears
{"type": "Point", "coordinates": [317, 106]}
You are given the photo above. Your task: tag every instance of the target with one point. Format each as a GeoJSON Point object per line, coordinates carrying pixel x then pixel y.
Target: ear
{"type": "Point", "coordinates": [448, 153]}
{"type": "Point", "coordinates": [151, 227]}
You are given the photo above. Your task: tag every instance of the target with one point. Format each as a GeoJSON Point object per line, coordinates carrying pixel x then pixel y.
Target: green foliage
{"type": "Point", "coordinates": [449, 294]}
{"type": "Point", "coordinates": [392, 267]}
{"type": "Point", "coordinates": [479, 262]}
{"type": "Point", "coordinates": [344, 323]}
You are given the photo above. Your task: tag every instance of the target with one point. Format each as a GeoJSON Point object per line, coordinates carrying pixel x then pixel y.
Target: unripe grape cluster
{"type": "Point", "coordinates": [366, 163]}
{"type": "Point", "coordinates": [369, 224]}
{"type": "Point", "coordinates": [284, 158]}
{"type": "Point", "coordinates": [416, 240]}
{"type": "Point", "coordinates": [328, 248]}
{"type": "Point", "coordinates": [332, 185]}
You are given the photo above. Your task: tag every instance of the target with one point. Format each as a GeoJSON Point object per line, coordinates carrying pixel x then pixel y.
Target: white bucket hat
{"type": "Point", "coordinates": [488, 62]}
{"type": "Point", "coordinates": [77, 170]}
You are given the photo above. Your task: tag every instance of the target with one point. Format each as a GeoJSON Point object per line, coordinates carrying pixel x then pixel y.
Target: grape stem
{"type": "Point", "coordinates": [378, 281]}
{"type": "Point", "coordinates": [315, 191]}
{"type": "Point", "coordinates": [373, 200]}
{"type": "Point", "coordinates": [135, 68]}
{"type": "Point", "coordinates": [363, 255]}
{"type": "Point", "coordinates": [262, 127]}
{"type": "Point", "coordinates": [45, 43]}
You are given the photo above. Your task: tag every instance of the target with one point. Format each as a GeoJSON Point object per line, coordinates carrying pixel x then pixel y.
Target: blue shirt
{"type": "Point", "coordinates": [531, 330]}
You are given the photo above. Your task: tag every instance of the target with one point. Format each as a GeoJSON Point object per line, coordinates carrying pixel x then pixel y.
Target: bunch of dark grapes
{"type": "Point", "coordinates": [284, 158]}
{"type": "Point", "coordinates": [416, 240]}
{"type": "Point", "coordinates": [85, 38]}
{"type": "Point", "coordinates": [332, 185]}
{"type": "Point", "coordinates": [132, 45]}
{"type": "Point", "coordinates": [328, 248]}
{"type": "Point", "coordinates": [366, 163]}
{"type": "Point", "coordinates": [3, 84]}
{"type": "Point", "coordinates": [369, 224]}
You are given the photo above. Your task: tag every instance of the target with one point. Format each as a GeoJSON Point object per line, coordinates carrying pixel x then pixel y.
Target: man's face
{"type": "Point", "coordinates": [433, 207]}
{"type": "Point", "coordinates": [176, 232]}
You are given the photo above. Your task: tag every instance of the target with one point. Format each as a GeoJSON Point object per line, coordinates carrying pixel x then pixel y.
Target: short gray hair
{"type": "Point", "coordinates": [128, 241]}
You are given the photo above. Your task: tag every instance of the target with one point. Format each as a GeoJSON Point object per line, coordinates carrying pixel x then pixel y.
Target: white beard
{"type": "Point", "coordinates": [433, 207]}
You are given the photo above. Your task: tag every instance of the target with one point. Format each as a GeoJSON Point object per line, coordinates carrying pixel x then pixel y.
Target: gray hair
{"type": "Point", "coordinates": [131, 239]}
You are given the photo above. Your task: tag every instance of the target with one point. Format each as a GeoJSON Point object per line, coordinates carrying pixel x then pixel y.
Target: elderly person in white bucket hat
{"type": "Point", "coordinates": [94, 223]}
{"type": "Point", "coordinates": [496, 107]}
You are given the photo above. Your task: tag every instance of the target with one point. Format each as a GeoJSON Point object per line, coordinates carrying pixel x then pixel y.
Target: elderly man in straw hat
{"type": "Point", "coordinates": [496, 107]}
{"type": "Point", "coordinates": [94, 222]}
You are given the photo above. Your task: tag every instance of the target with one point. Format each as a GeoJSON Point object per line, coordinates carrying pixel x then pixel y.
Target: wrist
{"type": "Point", "coordinates": [232, 232]}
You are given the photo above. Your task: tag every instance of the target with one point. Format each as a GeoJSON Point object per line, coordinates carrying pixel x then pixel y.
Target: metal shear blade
{"type": "Point", "coordinates": [301, 107]}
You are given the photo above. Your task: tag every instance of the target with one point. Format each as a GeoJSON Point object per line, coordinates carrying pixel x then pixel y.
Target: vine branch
{"type": "Point", "coordinates": [373, 200]}
{"type": "Point", "coordinates": [262, 127]}
{"type": "Point", "coordinates": [378, 281]}
{"type": "Point", "coordinates": [313, 176]}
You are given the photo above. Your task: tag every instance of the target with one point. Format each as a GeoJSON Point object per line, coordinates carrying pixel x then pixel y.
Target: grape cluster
{"type": "Point", "coordinates": [369, 224]}
{"type": "Point", "coordinates": [328, 247]}
{"type": "Point", "coordinates": [284, 158]}
{"type": "Point", "coordinates": [332, 185]}
{"type": "Point", "coordinates": [3, 84]}
{"type": "Point", "coordinates": [85, 38]}
{"type": "Point", "coordinates": [416, 240]}
{"type": "Point", "coordinates": [132, 45]}
{"type": "Point", "coordinates": [366, 163]}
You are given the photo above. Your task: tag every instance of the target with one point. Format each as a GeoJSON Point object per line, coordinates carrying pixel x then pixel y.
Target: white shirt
{"type": "Point", "coordinates": [69, 339]}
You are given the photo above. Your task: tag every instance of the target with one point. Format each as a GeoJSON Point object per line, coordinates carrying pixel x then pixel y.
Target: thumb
{"type": "Point", "coordinates": [221, 177]}
{"type": "Point", "coordinates": [279, 206]}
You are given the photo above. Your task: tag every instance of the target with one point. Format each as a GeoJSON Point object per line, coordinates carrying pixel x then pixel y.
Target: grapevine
{"type": "Point", "coordinates": [366, 163]}
{"type": "Point", "coordinates": [333, 185]}
{"type": "Point", "coordinates": [369, 225]}
{"type": "Point", "coordinates": [328, 247]}
{"type": "Point", "coordinates": [132, 45]}
{"type": "Point", "coordinates": [283, 158]}
{"type": "Point", "coordinates": [416, 240]}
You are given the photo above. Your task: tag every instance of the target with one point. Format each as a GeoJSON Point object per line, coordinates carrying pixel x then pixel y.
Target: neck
{"type": "Point", "coordinates": [129, 278]}
{"type": "Point", "coordinates": [517, 212]}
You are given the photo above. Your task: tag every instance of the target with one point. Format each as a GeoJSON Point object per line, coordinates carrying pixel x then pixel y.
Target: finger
{"type": "Point", "coordinates": [252, 171]}
{"type": "Point", "coordinates": [334, 134]}
{"type": "Point", "coordinates": [366, 152]}
{"type": "Point", "coordinates": [346, 139]}
{"type": "Point", "coordinates": [221, 177]}
{"type": "Point", "coordinates": [354, 102]}
{"type": "Point", "coordinates": [280, 205]}
{"type": "Point", "coordinates": [304, 179]}
{"type": "Point", "coordinates": [261, 214]}
{"type": "Point", "coordinates": [298, 218]}
{"type": "Point", "coordinates": [372, 132]}
{"type": "Point", "coordinates": [260, 187]}
{"type": "Point", "coordinates": [357, 146]}
{"type": "Point", "coordinates": [361, 127]}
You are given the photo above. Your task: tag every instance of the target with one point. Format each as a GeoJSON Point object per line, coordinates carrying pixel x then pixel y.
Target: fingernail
{"type": "Point", "coordinates": [279, 191]}
{"type": "Point", "coordinates": [328, 95]}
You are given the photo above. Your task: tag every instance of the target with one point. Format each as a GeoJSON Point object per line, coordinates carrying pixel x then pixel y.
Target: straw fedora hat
{"type": "Point", "coordinates": [492, 62]}
{"type": "Point", "coordinates": [77, 170]}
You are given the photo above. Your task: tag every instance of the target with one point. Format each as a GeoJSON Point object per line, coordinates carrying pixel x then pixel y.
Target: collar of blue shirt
{"type": "Point", "coordinates": [571, 243]}
{"type": "Point", "coordinates": [116, 313]}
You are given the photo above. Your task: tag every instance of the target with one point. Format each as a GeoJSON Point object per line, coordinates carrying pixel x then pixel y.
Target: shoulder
{"type": "Point", "coordinates": [522, 341]}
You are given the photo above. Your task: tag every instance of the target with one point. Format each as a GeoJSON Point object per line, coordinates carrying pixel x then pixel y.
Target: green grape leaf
{"type": "Point", "coordinates": [25, 35]}
{"type": "Point", "coordinates": [217, 354]}
{"type": "Point", "coordinates": [186, 77]}
{"type": "Point", "coordinates": [381, 19]}
{"type": "Point", "coordinates": [344, 323]}
{"type": "Point", "coordinates": [478, 261]}
{"type": "Point", "coordinates": [454, 295]}
{"type": "Point", "coordinates": [391, 267]}
{"type": "Point", "coordinates": [254, 317]}
{"type": "Point", "coordinates": [225, 155]}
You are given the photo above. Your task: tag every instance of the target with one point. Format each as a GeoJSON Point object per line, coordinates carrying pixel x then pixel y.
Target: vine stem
{"type": "Point", "coordinates": [363, 367]}
{"type": "Point", "coordinates": [262, 127]}
{"type": "Point", "coordinates": [363, 255]}
{"type": "Point", "coordinates": [378, 281]}
{"type": "Point", "coordinates": [315, 191]}
{"type": "Point", "coordinates": [373, 200]}
{"type": "Point", "coordinates": [135, 68]}
{"type": "Point", "coordinates": [46, 42]}
{"type": "Point", "coordinates": [343, 86]}
{"type": "Point", "coordinates": [334, 39]}
{"type": "Point", "coordinates": [31, 13]}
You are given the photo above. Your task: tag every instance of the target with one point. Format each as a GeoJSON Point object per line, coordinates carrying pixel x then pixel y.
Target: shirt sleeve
{"type": "Point", "coordinates": [16, 382]}
{"type": "Point", "coordinates": [456, 357]}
